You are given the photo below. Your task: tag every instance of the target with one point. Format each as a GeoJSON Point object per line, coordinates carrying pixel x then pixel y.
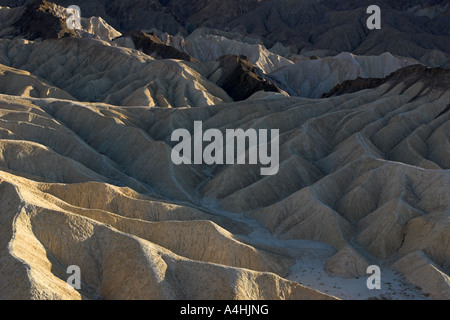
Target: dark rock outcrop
{"type": "Point", "coordinates": [44, 20]}
{"type": "Point", "coordinates": [150, 44]}
{"type": "Point", "coordinates": [434, 78]}
{"type": "Point", "coordinates": [240, 78]}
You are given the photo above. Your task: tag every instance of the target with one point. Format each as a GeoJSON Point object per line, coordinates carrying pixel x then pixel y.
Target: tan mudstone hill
{"type": "Point", "coordinates": [86, 177]}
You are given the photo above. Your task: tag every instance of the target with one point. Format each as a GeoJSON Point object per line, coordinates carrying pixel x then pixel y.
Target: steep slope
{"type": "Point", "coordinates": [239, 78]}
{"type": "Point", "coordinates": [46, 235]}
{"type": "Point", "coordinates": [42, 19]}
{"type": "Point", "coordinates": [100, 72]}
{"type": "Point", "coordinates": [312, 78]}
{"type": "Point", "coordinates": [22, 83]}
{"type": "Point", "coordinates": [210, 47]}
{"type": "Point", "coordinates": [433, 77]}
{"type": "Point", "coordinates": [152, 45]}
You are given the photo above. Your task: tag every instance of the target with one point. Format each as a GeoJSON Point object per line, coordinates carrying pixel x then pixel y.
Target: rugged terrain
{"type": "Point", "coordinates": [86, 176]}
